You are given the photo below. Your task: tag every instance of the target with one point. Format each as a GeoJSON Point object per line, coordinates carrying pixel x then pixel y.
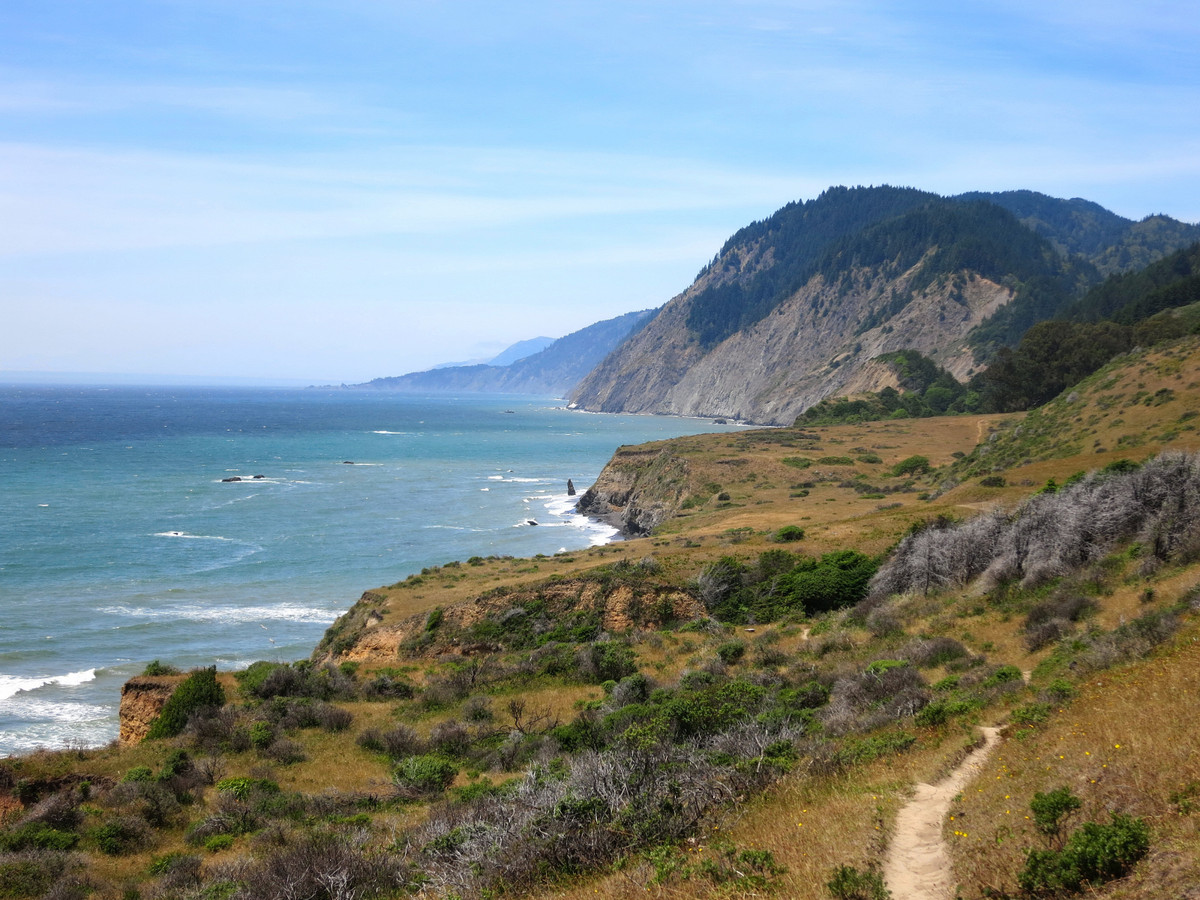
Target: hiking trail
{"type": "Point", "coordinates": [918, 865]}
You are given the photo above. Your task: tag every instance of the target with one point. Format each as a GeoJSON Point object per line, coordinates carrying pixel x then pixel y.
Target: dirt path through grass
{"type": "Point", "coordinates": [918, 866]}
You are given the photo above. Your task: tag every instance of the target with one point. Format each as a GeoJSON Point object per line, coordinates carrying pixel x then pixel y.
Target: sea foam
{"type": "Point", "coordinates": [10, 685]}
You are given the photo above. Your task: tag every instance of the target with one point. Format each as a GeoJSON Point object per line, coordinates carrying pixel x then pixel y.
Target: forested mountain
{"type": "Point", "coordinates": [1110, 242]}
{"type": "Point", "coordinates": [794, 308]}
{"type": "Point", "coordinates": [555, 370]}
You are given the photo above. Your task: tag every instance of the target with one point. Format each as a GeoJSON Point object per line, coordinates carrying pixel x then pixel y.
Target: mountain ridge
{"type": "Point", "coordinates": [794, 307]}
{"type": "Point", "coordinates": [555, 369]}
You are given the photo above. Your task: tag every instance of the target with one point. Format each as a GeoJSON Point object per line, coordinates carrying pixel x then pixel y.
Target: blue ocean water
{"type": "Point", "coordinates": [122, 542]}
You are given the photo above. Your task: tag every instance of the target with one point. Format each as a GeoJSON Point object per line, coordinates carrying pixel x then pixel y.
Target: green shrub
{"type": "Point", "coordinates": [788, 533]}
{"type": "Point", "coordinates": [1093, 855]}
{"type": "Point", "coordinates": [913, 465]}
{"type": "Point", "coordinates": [198, 691]}
{"type": "Point", "coordinates": [425, 774]}
{"type": "Point", "coordinates": [219, 842]}
{"type": "Point", "coordinates": [835, 461]}
{"type": "Point", "coordinates": [731, 652]}
{"type": "Point", "coordinates": [120, 836]}
{"type": "Point", "coordinates": [243, 787]}
{"type": "Point", "coordinates": [37, 836]}
{"type": "Point", "coordinates": [261, 734]}
{"type": "Point", "coordinates": [1031, 714]}
{"type": "Point", "coordinates": [848, 883]}
{"type": "Point", "coordinates": [137, 773]}
{"type": "Point", "coordinates": [993, 481]}
{"type": "Point", "coordinates": [154, 668]}
{"type": "Point", "coordinates": [1051, 808]}
{"type": "Point", "coordinates": [29, 877]}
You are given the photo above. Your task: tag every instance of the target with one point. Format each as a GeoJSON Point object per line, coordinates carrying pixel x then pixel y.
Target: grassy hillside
{"type": "Point", "coordinates": [722, 708]}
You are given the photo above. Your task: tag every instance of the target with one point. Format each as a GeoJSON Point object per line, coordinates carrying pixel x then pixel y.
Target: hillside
{"type": "Point", "coordinates": [1112, 243]}
{"type": "Point", "coordinates": [733, 704]}
{"type": "Point", "coordinates": [554, 370]}
{"type": "Point", "coordinates": [794, 308]}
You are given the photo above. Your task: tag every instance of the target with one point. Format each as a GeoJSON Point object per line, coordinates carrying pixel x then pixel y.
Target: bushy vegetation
{"type": "Point", "coordinates": [781, 584]}
{"type": "Point", "coordinates": [1051, 534]}
{"type": "Point", "coordinates": [198, 692]}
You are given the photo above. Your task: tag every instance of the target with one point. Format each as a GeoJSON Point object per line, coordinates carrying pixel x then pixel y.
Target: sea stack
{"type": "Point", "coordinates": [570, 488]}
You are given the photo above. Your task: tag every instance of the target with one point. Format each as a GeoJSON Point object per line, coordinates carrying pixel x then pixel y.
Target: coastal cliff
{"type": "Point", "coordinates": [142, 699]}
{"type": "Point", "coordinates": [638, 489]}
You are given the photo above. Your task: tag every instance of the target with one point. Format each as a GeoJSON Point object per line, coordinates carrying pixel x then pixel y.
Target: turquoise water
{"type": "Point", "coordinates": [121, 542]}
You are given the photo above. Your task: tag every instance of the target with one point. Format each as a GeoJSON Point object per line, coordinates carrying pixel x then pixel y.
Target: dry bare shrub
{"type": "Point", "coordinates": [322, 867]}
{"type": "Point", "coordinates": [214, 733]}
{"type": "Point", "coordinates": [865, 700]}
{"type": "Point", "coordinates": [285, 751]}
{"type": "Point", "coordinates": [59, 811]}
{"type": "Point", "coordinates": [1046, 632]}
{"type": "Point", "coordinates": [1052, 534]}
{"type": "Point", "coordinates": [396, 742]}
{"type": "Point", "coordinates": [1132, 640]}
{"type": "Point", "coordinates": [333, 718]}
{"type": "Point", "coordinates": [884, 622]}
{"type": "Point", "coordinates": [928, 652]}
{"type": "Point", "coordinates": [450, 738]}
{"type": "Point", "coordinates": [643, 790]}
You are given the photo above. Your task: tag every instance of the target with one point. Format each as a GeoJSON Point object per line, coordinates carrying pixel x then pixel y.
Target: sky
{"type": "Point", "coordinates": [329, 191]}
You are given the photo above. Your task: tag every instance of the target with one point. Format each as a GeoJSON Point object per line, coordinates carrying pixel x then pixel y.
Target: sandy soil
{"type": "Point", "coordinates": [918, 866]}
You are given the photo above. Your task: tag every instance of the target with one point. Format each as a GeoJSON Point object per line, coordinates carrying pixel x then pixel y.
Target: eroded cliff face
{"type": "Point", "coordinates": [817, 344]}
{"type": "Point", "coordinates": [142, 699]}
{"type": "Point", "coordinates": [638, 489]}
{"type": "Point", "coordinates": [620, 608]}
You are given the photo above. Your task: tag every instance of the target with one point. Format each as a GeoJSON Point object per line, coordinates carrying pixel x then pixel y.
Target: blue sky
{"type": "Point", "coordinates": [334, 190]}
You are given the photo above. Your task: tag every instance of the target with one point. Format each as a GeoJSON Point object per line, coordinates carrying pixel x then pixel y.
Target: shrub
{"type": "Point", "coordinates": [417, 776]}
{"type": "Point", "coordinates": [219, 842]}
{"type": "Point", "coordinates": [37, 836]}
{"type": "Point", "coordinates": [848, 883]}
{"type": "Point", "coordinates": [1051, 808]}
{"type": "Point", "coordinates": [199, 691]}
{"type": "Point", "coordinates": [913, 465]}
{"type": "Point", "coordinates": [397, 742]}
{"type": "Point", "coordinates": [31, 874]}
{"type": "Point", "coordinates": [835, 580]}
{"type": "Point", "coordinates": [121, 835]}
{"type": "Point", "coordinates": [606, 661]}
{"type": "Point", "coordinates": [788, 533]}
{"type": "Point", "coordinates": [731, 652]}
{"type": "Point", "coordinates": [154, 668]}
{"type": "Point", "coordinates": [333, 718]}
{"type": "Point", "coordinates": [1093, 855]}
{"type": "Point", "coordinates": [245, 787]}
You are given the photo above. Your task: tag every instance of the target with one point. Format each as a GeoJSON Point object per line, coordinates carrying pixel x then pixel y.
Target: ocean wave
{"type": "Point", "coordinates": [194, 537]}
{"type": "Point", "coordinates": [283, 612]}
{"type": "Point", "coordinates": [11, 685]}
{"type": "Point", "coordinates": [392, 432]}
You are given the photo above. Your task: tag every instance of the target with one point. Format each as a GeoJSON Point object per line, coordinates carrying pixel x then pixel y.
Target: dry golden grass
{"type": "Point", "coordinates": [1125, 744]}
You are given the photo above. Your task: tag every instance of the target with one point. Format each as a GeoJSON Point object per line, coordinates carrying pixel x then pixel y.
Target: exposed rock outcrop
{"type": "Point", "coordinates": [362, 636]}
{"type": "Point", "coordinates": [638, 489]}
{"type": "Point", "coordinates": [142, 699]}
{"type": "Point", "coordinates": [811, 347]}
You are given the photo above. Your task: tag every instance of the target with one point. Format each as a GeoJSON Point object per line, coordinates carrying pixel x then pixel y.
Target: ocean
{"type": "Point", "coordinates": [123, 539]}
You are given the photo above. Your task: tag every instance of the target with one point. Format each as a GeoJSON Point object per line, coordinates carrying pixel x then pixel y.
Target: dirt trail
{"type": "Point", "coordinates": [918, 866]}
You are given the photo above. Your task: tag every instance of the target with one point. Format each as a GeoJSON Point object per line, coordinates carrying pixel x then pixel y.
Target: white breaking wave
{"type": "Point", "coordinates": [226, 614]}
{"type": "Point", "coordinates": [15, 684]}
{"type": "Point", "coordinates": [194, 537]}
